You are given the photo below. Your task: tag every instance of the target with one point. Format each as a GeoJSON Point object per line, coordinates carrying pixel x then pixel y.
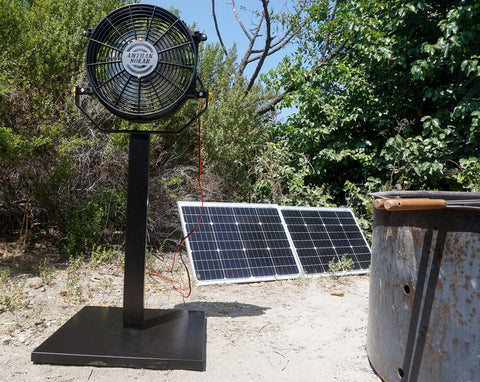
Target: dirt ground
{"type": "Point", "coordinates": [294, 330]}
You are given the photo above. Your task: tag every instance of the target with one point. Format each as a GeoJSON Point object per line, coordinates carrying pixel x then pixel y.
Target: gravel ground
{"type": "Point", "coordinates": [293, 330]}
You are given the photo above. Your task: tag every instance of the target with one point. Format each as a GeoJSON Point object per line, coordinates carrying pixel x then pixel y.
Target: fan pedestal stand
{"type": "Point", "coordinates": [133, 336]}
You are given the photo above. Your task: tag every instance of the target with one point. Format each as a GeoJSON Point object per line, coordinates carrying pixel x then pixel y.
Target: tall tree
{"type": "Point", "coordinates": [271, 28]}
{"type": "Point", "coordinates": [239, 130]}
{"type": "Point", "coordinates": [399, 103]}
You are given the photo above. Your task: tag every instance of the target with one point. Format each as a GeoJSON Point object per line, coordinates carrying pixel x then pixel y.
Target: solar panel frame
{"type": "Point", "coordinates": [326, 243]}
{"type": "Point", "coordinates": [253, 261]}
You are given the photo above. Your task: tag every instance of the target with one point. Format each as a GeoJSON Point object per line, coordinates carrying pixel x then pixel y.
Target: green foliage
{"type": "Point", "coordinates": [281, 180]}
{"type": "Point", "coordinates": [469, 177]}
{"type": "Point", "coordinates": [74, 278]}
{"type": "Point", "coordinates": [13, 146]}
{"type": "Point", "coordinates": [75, 263]}
{"type": "Point", "coordinates": [340, 265]}
{"type": "Point", "coordinates": [41, 51]}
{"type": "Point", "coordinates": [399, 105]}
{"type": "Point", "coordinates": [100, 256]}
{"type": "Point", "coordinates": [82, 227]}
{"type": "Point", "coordinates": [12, 296]}
{"type": "Point", "coordinates": [46, 271]}
{"type": "Point", "coordinates": [85, 223]}
{"type": "Point", "coordinates": [114, 205]}
{"type": "Point", "coordinates": [359, 200]}
{"type": "Point", "coordinates": [232, 132]}
{"type": "Point", "coordinates": [41, 57]}
{"type": "Point", "coordinates": [4, 273]}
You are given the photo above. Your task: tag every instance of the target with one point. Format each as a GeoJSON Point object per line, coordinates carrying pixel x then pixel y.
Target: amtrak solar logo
{"type": "Point", "coordinates": [140, 58]}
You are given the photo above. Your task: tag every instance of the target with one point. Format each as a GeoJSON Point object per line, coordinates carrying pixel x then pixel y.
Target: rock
{"type": "Point", "coordinates": [22, 339]}
{"type": "Point", "coordinates": [36, 282]}
{"type": "Point", "coordinates": [6, 340]}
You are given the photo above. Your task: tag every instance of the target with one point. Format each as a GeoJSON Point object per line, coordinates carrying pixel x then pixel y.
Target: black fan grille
{"type": "Point", "coordinates": [149, 97]}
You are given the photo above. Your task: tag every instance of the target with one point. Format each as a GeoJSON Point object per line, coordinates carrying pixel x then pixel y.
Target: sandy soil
{"type": "Point", "coordinates": [295, 330]}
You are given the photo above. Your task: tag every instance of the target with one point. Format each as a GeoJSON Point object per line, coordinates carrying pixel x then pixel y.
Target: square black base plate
{"type": "Point", "coordinates": [95, 336]}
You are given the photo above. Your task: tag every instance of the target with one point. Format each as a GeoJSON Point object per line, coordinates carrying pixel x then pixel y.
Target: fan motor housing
{"type": "Point", "coordinates": [141, 62]}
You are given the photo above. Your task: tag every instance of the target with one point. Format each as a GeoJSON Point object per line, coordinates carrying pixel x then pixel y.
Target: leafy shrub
{"type": "Point", "coordinates": [281, 177]}
{"type": "Point", "coordinates": [12, 296]}
{"type": "Point", "coordinates": [469, 177]}
{"type": "Point", "coordinates": [83, 226]}
{"type": "Point", "coordinates": [344, 264]}
{"type": "Point", "coordinates": [86, 223]}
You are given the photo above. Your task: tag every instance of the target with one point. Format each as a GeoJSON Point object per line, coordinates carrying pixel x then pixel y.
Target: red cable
{"type": "Point", "coordinates": [152, 272]}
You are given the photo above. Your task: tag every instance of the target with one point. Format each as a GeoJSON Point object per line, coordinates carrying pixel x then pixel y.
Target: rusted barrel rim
{"type": "Point", "coordinates": [467, 200]}
{"type": "Point", "coordinates": [447, 195]}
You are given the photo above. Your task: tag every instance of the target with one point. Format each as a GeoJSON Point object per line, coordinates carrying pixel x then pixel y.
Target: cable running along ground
{"type": "Point", "coordinates": [153, 272]}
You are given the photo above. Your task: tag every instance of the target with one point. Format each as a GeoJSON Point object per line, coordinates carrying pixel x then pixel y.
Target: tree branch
{"type": "Point", "coordinates": [240, 21]}
{"type": "Point", "coordinates": [270, 105]}
{"type": "Point", "coordinates": [248, 52]}
{"type": "Point", "coordinates": [327, 37]}
{"type": "Point", "coordinates": [277, 46]}
{"type": "Point", "coordinates": [217, 29]}
{"type": "Point", "coordinates": [324, 60]}
{"type": "Point", "coordinates": [266, 49]}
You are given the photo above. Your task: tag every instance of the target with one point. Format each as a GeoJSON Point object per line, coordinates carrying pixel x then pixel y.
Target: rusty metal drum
{"type": "Point", "coordinates": [424, 302]}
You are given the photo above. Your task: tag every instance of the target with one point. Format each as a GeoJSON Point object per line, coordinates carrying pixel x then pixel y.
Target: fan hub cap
{"type": "Point", "coordinates": [140, 58]}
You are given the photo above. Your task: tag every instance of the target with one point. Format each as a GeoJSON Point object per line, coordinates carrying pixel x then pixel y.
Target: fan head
{"type": "Point", "coordinates": [141, 62]}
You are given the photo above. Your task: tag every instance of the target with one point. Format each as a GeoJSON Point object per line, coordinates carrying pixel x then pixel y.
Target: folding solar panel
{"type": "Point", "coordinates": [321, 235]}
{"type": "Point", "coordinates": [237, 243]}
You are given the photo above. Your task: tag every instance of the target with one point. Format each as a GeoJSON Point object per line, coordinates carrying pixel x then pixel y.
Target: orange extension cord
{"type": "Point", "coordinates": [152, 272]}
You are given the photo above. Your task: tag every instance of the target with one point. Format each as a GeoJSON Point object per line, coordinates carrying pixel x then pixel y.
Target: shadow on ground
{"type": "Point", "coordinates": [224, 309]}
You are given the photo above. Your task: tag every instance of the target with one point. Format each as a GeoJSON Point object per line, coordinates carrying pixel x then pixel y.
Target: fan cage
{"type": "Point", "coordinates": [166, 86]}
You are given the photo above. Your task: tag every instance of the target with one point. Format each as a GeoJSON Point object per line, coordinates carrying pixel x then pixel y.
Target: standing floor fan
{"type": "Point", "coordinates": [141, 63]}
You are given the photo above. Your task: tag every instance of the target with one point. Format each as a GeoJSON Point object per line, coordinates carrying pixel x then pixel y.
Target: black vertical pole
{"type": "Point", "coordinates": [136, 236]}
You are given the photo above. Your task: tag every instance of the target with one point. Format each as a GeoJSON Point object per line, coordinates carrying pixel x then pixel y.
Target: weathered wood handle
{"type": "Point", "coordinates": [378, 203]}
{"type": "Point", "coordinates": [414, 204]}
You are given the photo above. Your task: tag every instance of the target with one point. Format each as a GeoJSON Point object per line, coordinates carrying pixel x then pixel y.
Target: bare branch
{"type": "Point", "coordinates": [270, 105]}
{"type": "Point", "coordinates": [240, 21]}
{"type": "Point", "coordinates": [248, 52]}
{"type": "Point", "coordinates": [266, 49]}
{"type": "Point", "coordinates": [324, 60]}
{"type": "Point", "coordinates": [217, 29]}
{"type": "Point", "coordinates": [284, 40]}
{"type": "Point", "coordinates": [271, 44]}
{"type": "Point", "coordinates": [276, 47]}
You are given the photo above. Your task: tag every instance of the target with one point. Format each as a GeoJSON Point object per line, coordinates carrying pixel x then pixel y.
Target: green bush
{"type": "Point", "coordinates": [86, 223]}
{"type": "Point", "coordinates": [82, 227]}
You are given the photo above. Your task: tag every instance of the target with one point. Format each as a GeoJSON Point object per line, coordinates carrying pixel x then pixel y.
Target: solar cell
{"type": "Point", "coordinates": [260, 242]}
{"type": "Point", "coordinates": [321, 235]}
{"type": "Point", "coordinates": [238, 243]}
